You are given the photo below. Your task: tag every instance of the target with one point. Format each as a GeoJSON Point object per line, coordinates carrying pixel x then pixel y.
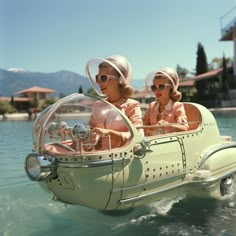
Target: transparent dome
{"type": "Point", "coordinates": [71, 126]}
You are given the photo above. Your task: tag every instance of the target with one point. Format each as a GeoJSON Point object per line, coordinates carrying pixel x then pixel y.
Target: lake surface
{"type": "Point", "coordinates": [25, 210]}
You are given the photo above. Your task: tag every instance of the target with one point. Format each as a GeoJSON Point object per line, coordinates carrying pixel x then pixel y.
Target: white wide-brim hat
{"type": "Point", "coordinates": [119, 63]}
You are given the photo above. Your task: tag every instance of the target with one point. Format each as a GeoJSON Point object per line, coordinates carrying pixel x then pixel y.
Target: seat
{"type": "Point", "coordinates": [193, 116]}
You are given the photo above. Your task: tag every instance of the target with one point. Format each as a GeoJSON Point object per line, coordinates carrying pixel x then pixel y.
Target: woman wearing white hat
{"type": "Point", "coordinates": [110, 78]}
{"type": "Point", "coordinates": [167, 111]}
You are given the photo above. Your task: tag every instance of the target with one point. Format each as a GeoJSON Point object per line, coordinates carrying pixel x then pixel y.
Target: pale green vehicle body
{"type": "Point", "coordinates": [145, 170]}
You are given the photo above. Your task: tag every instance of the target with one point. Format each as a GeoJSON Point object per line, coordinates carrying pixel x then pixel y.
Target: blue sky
{"type": "Point", "coordinates": [54, 35]}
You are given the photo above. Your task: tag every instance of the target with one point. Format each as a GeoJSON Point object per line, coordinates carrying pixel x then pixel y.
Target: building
{"type": "Point", "coordinates": [216, 88]}
{"type": "Point", "coordinates": [29, 98]}
{"type": "Point", "coordinates": [228, 31]}
{"type": "Point", "coordinates": [210, 89]}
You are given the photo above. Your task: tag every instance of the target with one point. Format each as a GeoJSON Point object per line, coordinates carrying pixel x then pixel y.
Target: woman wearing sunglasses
{"type": "Point", "coordinates": [167, 113]}
{"type": "Point", "coordinates": [110, 77]}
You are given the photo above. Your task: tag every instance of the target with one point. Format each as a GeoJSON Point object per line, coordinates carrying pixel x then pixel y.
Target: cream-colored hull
{"type": "Point", "coordinates": [194, 162]}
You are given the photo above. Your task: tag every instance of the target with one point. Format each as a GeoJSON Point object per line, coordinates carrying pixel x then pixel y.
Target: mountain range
{"type": "Point", "coordinates": [64, 82]}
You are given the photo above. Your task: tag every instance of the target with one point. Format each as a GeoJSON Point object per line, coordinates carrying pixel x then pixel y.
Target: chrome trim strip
{"type": "Point", "coordinates": [93, 163]}
{"type": "Point", "coordinates": [180, 176]}
{"type": "Point", "coordinates": [214, 179]}
{"type": "Point", "coordinates": [213, 151]}
{"type": "Point", "coordinates": [143, 196]}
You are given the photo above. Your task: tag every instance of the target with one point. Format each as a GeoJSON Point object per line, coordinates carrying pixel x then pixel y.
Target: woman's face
{"type": "Point", "coordinates": [161, 88]}
{"type": "Point", "coordinates": [112, 80]}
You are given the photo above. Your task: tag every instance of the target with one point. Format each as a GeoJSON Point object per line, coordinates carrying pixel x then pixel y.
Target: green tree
{"type": "Point", "coordinates": [201, 66]}
{"type": "Point", "coordinates": [182, 72]}
{"type": "Point", "coordinates": [6, 107]}
{"type": "Point", "coordinates": [12, 101]}
{"type": "Point", "coordinates": [80, 89]}
{"type": "Point", "coordinates": [49, 101]}
{"type": "Point", "coordinates": [62, 95]}
{"type": "Point", "coordinates": [34, 103]}
{"type": "Point", "coordinates": [217, 62]}
{"type": "Point", "coordinates": [225, 83]}
{"type": "Point", "coordinates": [91, 91]}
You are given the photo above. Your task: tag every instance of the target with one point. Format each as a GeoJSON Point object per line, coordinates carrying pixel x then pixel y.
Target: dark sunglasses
{"type": "Point", "coordinates": [160, 87]}
{"type": "Point", "coordinates": [104, 78]}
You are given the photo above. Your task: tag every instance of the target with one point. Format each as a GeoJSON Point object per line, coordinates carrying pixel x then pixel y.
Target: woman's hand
{"type": "Point", "coordinates": [112, 137]}
{"type": "Point", "coordinates": [101, 131]}
{"type": "Point", "coordinates": [163, 123]}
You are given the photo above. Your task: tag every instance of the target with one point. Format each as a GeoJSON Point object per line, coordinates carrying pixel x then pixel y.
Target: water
{"type": "Point", "coordinates": [25, 210]}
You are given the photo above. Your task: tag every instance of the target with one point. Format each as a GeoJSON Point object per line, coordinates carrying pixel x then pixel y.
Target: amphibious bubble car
{"type": "Point", "coordinates": [67, 162]}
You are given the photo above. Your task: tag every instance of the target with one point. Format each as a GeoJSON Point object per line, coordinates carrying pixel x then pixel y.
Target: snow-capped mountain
{"type": "Point", "coordinates": [64, 82]}
{"type": "Point", "coordinates": [16, 70]}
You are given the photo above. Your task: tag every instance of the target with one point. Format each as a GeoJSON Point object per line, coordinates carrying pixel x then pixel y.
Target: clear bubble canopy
{"type": "Point", "coordinates": [66, 127]}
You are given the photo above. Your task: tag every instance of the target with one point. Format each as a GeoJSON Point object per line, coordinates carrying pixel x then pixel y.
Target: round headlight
{"type": "Point", "coordinates": [39, 167]}
{"type": "Point", "coordinates": [32, 167]}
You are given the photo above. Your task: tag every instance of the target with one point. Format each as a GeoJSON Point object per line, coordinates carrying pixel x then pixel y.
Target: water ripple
{"type": "Point", "coordinates": [27, 210]}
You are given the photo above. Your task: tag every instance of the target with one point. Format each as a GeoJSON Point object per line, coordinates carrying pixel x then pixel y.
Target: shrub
{"type": "Point", "coordinates": [6, 107]}
{"type": "Point", "coordinates": [49, 101]}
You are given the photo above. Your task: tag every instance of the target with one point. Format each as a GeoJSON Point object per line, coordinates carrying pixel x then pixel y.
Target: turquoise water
{"type": "Point", "coordinates": [28, 211]}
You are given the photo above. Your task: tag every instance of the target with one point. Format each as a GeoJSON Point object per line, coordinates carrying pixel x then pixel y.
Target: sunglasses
{"type": "Point", "coordinates": [104, 78]}
{"type": "Point", "coordinates": [160, 87]}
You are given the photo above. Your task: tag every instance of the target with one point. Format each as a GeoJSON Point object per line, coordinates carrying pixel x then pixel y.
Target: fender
{"type": "Point", "coordinates": [220, 160]}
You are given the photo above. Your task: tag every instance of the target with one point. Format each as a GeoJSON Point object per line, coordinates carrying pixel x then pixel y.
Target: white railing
{"type": "Point", "coordinates": [228, 21]}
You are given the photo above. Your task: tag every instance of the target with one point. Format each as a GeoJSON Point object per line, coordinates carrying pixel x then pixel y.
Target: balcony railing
{"type": "Point", "coordinates": [228, 21]}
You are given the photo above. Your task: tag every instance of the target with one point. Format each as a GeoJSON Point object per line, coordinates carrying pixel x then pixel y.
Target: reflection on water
{"type": "Point", "coordinates": [226, 121]}
{"type": "Point", "coordinates": [26, 210]}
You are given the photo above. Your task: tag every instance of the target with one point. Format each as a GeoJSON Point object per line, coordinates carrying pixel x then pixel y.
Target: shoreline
{"type": "Point", "coordinates": [223, 109]}
{"type": "Point", "coordinates": [15, 116]}
{"type": "Point", "coordinates": [25, 116]}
